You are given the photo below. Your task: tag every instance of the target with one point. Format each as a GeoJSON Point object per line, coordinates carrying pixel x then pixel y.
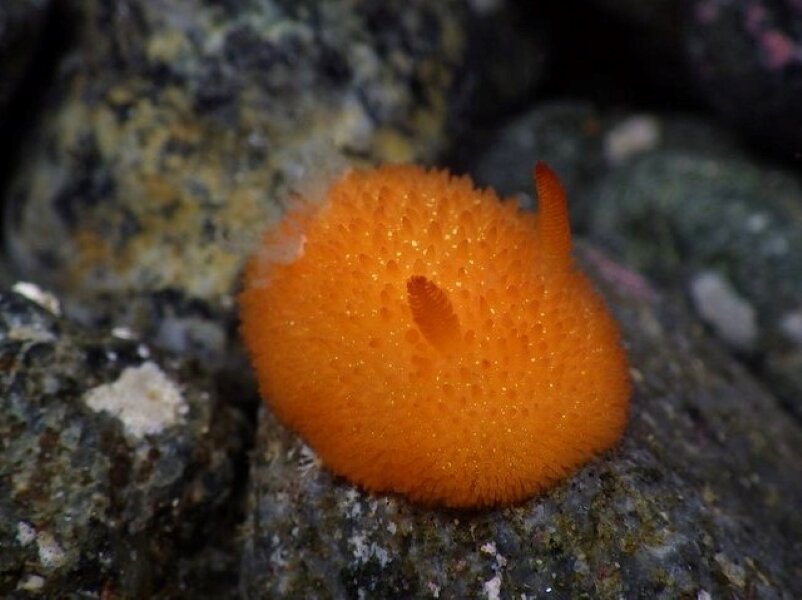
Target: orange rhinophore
{"type": "Point", "coordinates": [433, 313]}
{"type": "Point", "coordinates": [554, 230]}
{"type": "Point", "coordinates": [426, 338]}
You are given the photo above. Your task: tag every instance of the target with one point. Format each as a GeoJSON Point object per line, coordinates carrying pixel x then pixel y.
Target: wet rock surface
{"type": "Point", "coordinates": [116, 464]}
{"type": "Point", "coordinates": [699, 498]}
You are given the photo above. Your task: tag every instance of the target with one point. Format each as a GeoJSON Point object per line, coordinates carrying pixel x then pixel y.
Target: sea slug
{"type": "Point", "coordinates": [426, 338]}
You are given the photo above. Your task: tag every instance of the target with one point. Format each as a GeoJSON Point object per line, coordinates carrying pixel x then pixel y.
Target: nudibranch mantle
{"type": "Point", "coordinates": [426, 338]}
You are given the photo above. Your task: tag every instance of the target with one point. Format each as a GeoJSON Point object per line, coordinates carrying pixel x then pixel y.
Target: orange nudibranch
{"type": "Point", "coordinates": [426, 338]}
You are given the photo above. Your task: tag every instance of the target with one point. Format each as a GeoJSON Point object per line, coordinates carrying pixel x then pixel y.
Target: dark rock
{"type": "Point", "coordinates": [506, 60]}
{"type": "Point", "coordinates": [178, 129]}
{"type": "Point", "coordinates": [116, 464]}
{"type": "Point", "coordinates": [747, 58]}
{"type": "Point", "coordinates": [616, 52]}
{"type": "Point", "coordinates": [657, 22]}
{"type": "Point", "coordinates": [21, 25]}
{"type": "Point", "coordinates": [675, 214]}
{"type": "Point", "coordinates": [699, 500]}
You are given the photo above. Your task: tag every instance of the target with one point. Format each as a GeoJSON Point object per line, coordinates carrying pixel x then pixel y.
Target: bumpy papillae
{"type": "Point", "coordinates": [429, 339]}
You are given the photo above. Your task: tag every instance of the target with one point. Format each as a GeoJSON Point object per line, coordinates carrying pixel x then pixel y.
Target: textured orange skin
{"type": "Point", "coordinates": [426, 338]}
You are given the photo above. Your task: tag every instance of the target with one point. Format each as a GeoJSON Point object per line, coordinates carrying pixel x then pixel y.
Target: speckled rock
{"type": "Point", "coordinates": [699, 500]}
{"type": "Point", "coordinates": [116, 464]}
{"type": "Point", "coordinates": [747, 59]}
{"type": "Point", "coordinates": [180, 127]}
{"type": "Point", "coordinates": [675, 213]}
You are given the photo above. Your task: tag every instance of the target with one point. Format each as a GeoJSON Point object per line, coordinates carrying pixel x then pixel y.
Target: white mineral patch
{"type": "Point", "coordinates": [791, 326]}
{"type": "Point", "coordinates": [51, 555]}
{"type": "Point", "coordinates": [631, 137]}
{"type": "Point", "coordinates": [434, 589]}
{"type": "Point", "coordinates": [278, 557]}
{"type": "Point", "coordinates": [720, 306]}
{"type": "Point", "coordinates": [352, 129]}
{"type": "Point", "coordinates": [308, 461]}
{"type": "Point", "coordinates": [35, 332]}
{"type": "Point", "coordinates": [25, 333]}
{"type": "Point", "coordinates": [364, 550]}
{"type": "Point", "coordinates": [143, 398]}
{"type": "Point", "coordinates": [31, 583]}
{"type": "Point", "coordinates": [757, 222]}
{"type": "Point", "coordinates": [25, 533]}
{"type": "Point", "coordinates": [492, 588]}
{"type": "Point", "coordinates": [123, 333]}
{"type": "Point", "coordinates": [36, 294]}
{"type": "Point", "coordinates": [490, 548]}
